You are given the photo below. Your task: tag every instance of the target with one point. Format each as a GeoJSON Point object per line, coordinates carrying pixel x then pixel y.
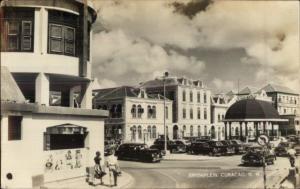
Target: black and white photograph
{"type": "Point", "coordinates": [150, 94]}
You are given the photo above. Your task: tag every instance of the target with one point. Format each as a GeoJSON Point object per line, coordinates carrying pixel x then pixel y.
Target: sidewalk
{"type": "Point", "coordinates": [80, 183]}
{"type": "Point", "coordinates": [187, 157]}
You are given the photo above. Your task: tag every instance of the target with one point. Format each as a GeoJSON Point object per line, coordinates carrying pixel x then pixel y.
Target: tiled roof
{"type": "Point", "coordinates": [277, 88]}
{"type": "Point", "coordinates": [248, 90]}
{"type": "Point", "coordinates": [118, 92]}
{"type": "Point", "coordinates": [10, 91]}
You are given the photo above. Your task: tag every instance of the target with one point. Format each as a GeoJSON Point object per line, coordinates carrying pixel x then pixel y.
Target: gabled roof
{"type": "Point", "coordinates": [10, 90]}
{"type": "Point", "coordinates": [117, 92]}
{"type": "Point", "coordinates": [248, 90]}
{"type": "Point", "coordinates": [159, 82]}
{"type": "Point", "coordinates": [278, 88]}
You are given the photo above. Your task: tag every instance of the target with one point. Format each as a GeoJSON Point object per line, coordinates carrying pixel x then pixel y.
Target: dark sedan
{"type": "Point", "coordinates": [171, 145]}
{"type": "Point", "coordinates": [138, 152]}
{"type": "Point", "coordinates": [206, 148]}
{"type": "Point", "coordinates": [239, 147]}
{"type": "Point", "coordinates": [230, 148]}
{"type": "Point", "coordinates": [254, 156]}
{"type": "Point", "coordinates": [281, 149]}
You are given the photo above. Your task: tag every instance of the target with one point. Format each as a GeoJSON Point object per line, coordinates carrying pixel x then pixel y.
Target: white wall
{"type": "Point", "coordinates": [26, 158]}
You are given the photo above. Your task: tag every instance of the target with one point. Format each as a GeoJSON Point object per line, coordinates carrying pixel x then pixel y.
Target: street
{"type": "Point", "coordinates": [222, 172]}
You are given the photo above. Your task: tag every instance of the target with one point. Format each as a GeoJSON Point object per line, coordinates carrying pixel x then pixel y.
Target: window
{"type": "Point", "coordinates": [199, 130]}
{"type": "Point", "coordinates": [183, 113]}
{"type": "Point", "coordinates": [149, 112]}
{"type": "Point", "coordinates": [205, 130]}
{"type": "Point", "coordinates": [198, 113]}
{"type": "Point", "coordinates": [140, 111]}
{"type": "Point", "coordinates": [153, 131]}
{"type": "Point", "coordinates": [205, 113]}
{"type": "Point", "coordinates": [219, 118]}
{"type": "Point", "coordinates": [183, 96]}
{"type": "Point", "coordinates": [204, 98]}
{"type": "Point", "coordinates": [139, 132]}
{"type": "Point", "coordinates": [149, 131]}
{"type": "Point", "coordinates": [198, 97]}
{"type": "Point", "coordinates": [62, 33]}
{"type": "Point", "coordinates": [191, 114]}
{"type": "Point", "coordinates": [167, 112]}
{"type": "Point", "coordinates": [133, 111]}
{"type": "Point", "coordinates": [153, 111]}
{"type": "Point", "coordinates": [14, 127]}
{"type": "Point", "coordinates": [191, 131]}
{"type": "Point", "coordinates": [183, 130]}
{"type": "Point", "coordinates": [18, 27]}
{"type": "Point", "coordinates": [133, 133]}
{"type": "Point", "coordinates": [191, 96]}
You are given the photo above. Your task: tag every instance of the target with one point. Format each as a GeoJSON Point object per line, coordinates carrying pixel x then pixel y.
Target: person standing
{"type": "Point", "coordinates": [98, 170]}
{"type": "Point", "coordinates": [292, 156]}
{"type": "Point", "coordinates": [113, 166]}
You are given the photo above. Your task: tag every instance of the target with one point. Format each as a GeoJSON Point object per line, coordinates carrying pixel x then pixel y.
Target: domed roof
{"type": "Point", "coordinates": [251, 109]}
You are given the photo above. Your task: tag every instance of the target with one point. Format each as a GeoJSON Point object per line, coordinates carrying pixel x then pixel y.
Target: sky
{"type": "Point", "coordinates": [223, 43]}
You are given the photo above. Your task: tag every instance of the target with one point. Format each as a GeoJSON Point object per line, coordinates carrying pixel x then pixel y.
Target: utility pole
{"type": "Point", "coordinates": [165, 129]}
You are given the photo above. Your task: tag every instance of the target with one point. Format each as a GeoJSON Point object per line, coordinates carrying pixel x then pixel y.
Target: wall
{"type": "Point", "coordinates": [26, 158]}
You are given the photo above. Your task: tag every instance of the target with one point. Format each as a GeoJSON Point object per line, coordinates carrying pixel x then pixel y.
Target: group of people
{"type": "Point", "coordinates": [113, 167]}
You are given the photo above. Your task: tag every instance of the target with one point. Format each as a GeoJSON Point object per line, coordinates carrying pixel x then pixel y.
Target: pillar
{"type": "Point", "coordinates": [230, 130]}
{"type": "Point", "coordinates": [226, 137]}
{"type": "Point", "coordinates": [246, 131]}
{"type": "Point", "coordinates": [256, 130]}
{"type": "Point", "coordinates": [86, 96]}
{"type": "Point", "coordinates": [272, 129]}
{"type": "Point", "coordinates": [42, 89]}
{"type": "Point", "coordinates": [241, 131]}
{"type": "Point", "coordinates": [264, 127]}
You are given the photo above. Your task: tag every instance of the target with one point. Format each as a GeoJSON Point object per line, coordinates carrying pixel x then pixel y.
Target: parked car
{"type": "Point", "coordinates": [211, 148]}
{"type": "Point", "coordinates": [171, 145]}
{"type": "Point", "coordinates": [138, 152]}
{"type": "Point", "coordinates": [229, 146]}
{"type": "Point", "coordinates": [222, 149]}
{"type": "Point", "coordinates": [282, 148]}
{"type": "Point", "coordinates": [239, 147]}
{"type": "Point", "coordinates": [254, 156]}
{"type": "Point", "coordinates": [186, 143]}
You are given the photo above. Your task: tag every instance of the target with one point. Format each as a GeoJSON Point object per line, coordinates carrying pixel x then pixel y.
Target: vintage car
{"type": "Point", "coordinates": [171, 145]}
{"type": "Point", "coordinates": [254, 156]}
{"type": "Point", "coordinates": [138, 152]}
{"type": "Point", "coordinates": [282, 149]}
{"type": "Point", "coordinates": [239, 147]}
{"type": "Point", "coordinates": [212, 149]}
{"type": "Point", "coordinates": [229, 146]}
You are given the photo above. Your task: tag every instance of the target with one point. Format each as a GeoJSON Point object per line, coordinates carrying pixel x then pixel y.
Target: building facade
{"type": "Point", "coordinates": [190, 106]}
{"type": "Point", "coordinates": [287, 103]}
{"type": "Point", "coordinates": [45, 49]}
{"type": "Point", "coordinates": [134, 115]}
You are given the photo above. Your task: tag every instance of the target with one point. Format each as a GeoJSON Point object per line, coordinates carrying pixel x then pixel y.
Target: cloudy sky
{"type": "Point", "coordinates": [219, 42]}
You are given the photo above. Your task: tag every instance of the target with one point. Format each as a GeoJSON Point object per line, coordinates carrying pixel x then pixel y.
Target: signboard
{"type": "Point", "coordinates": [263, 140]}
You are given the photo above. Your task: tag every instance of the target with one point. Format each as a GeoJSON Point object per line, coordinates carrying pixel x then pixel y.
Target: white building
{"type": "Point", "coordinates": [45, 48]}
{"type": "Point", "coordinates": [191, 105]}
{"type": "Point", "coordinates": [135, 116]}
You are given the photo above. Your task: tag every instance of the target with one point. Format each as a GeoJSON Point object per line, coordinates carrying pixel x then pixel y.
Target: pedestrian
{"type": "Point", "coordinates": [292, 156]}
{"type": "Point", "coordinates": [113, 166]}
{"type": "Point", "coordinates": [99, 173]}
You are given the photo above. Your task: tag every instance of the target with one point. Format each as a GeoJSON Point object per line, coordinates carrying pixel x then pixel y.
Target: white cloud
{"type": "Point", "coordinates": [220, 85]}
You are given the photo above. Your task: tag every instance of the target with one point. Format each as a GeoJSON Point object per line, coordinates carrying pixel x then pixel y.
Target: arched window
{"type": "Point", "coordinates": [191, 131]}
{"type": "Point", "coordinates": [191, 96]}
{"type": "Point", "coordinates": [154, 111]}
{"type": "Point", "coordinates": [133, 133]}
{"type": "Point", "coordinates": [167, 112]}
{"type": "Point", "coordinates": [133, 111]}
{"type": "Point", "coordinates": [198, 113]}
{"type": "Point", "coordinates": [119, 111]}
{"type": "Point", "coordinates": [183, 113]}
{"type": "Point", "coordinates": [183, 130]}
{"type": "Point", "coordinates": [205, 113]}
{"type": "Point", "coordinates": [219, 118]}
{"type": "Point", "coordinates": [183, 96]}
{"type": "Point", "coordinates": [139, 132]}
{"type": "Point", "coordinates": [140, 111]}
{"type": "Point", "coordinates": [191, 113]}
{"type": "Point", "coordinates": [204, 98]}
{"type": "Point", "coordinates": [198, 97]}
{"type": "Point", "coordinates": [236, 131]}
{"type": "Point", "coordinates": [153, 131]}
{"type": "Point", "coordinates": [199, 130]}
{"type": "Point", "coordinates": [149, 131]}
{"type": "Point", "coordinates": [149, 112]}
{"type": "Point", "coordinates": [205, 130]}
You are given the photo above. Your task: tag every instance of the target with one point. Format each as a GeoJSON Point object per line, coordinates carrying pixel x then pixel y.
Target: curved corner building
{"type": "Point", "coordinates": [48, 130]}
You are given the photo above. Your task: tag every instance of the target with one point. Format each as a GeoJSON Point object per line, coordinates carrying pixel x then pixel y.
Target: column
{"type": "Point", "coordinates": [264, 127]}
{"type": "Point", "coordinates": [246, 131]}
{"type": "Point", "coordinates": [226, 137]}
{"type": "Point", "coordinates": [241, 131]}
{"type": "Point", "coordinates": [256, 129]}
{"type": "Point", "coordinates": [272, 130]}
{"type": "Point", "coordinates": [230, 130]}
{"type": "Point", "coordinates": [86, 96]}
{"type": "Point", "coordinates": [42, 89]}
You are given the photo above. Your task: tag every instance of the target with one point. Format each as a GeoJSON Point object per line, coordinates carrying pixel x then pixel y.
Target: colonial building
{"type": "Point", "coordinates": [190, 106]}
{"type": "Point", "coordinates": [134, 115]}
{"type": "Point", "coordinates": [45, 50]}
{"type": "Point", "coordinates": [287, 103]}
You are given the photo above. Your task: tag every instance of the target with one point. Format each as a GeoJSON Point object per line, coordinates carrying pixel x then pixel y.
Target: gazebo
{"type": "Point", "coordinates": [251, 112]}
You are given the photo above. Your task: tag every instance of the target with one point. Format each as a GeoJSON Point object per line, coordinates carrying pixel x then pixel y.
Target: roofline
{"type": "Point", "coordinates": [255, 120]}
{"type": "Point", "coordinates": [296, 94]}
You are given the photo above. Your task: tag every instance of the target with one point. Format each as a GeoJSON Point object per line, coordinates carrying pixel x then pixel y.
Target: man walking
{"type": "Point", "coordinates": [113, 166]}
